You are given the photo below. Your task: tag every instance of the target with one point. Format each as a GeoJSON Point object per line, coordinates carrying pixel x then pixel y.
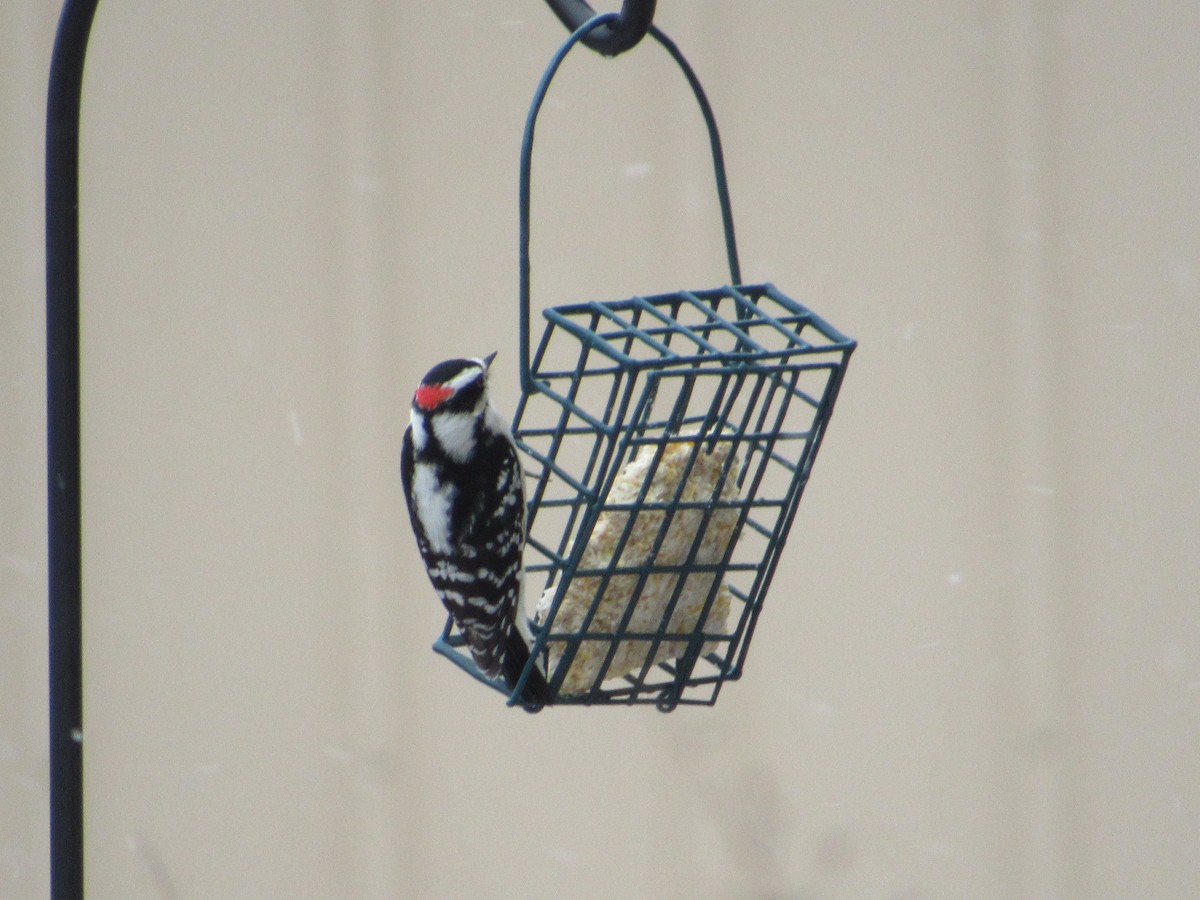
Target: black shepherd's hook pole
{"type": "Point", "coordinates": [62, 449]}
{"type": "Point", "coordinates": [632, 25]}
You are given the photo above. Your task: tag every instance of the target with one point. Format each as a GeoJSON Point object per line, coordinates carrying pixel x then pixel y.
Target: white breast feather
{"type": "Point", "coordinates": [456, 433]}
{"type": "Point", "coordinates": [417, 427]}
{"type": "Point", "coordinates": [496, 422]}
{"type": "Point", "coordinates": [433, 500]}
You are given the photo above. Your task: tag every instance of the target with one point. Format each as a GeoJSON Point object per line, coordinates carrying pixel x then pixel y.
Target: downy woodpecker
{"type": "Point", "coordinates": [463, 484]}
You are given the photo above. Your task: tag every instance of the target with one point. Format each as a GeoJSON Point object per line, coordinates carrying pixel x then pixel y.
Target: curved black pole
{"type": "Point", "coordinates": [62, 449]}
{"type": "Point", "coordinates": [622, 34]}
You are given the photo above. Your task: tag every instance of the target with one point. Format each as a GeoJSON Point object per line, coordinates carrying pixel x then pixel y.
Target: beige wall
{"type": "Point", "coordinates": [978, 673]}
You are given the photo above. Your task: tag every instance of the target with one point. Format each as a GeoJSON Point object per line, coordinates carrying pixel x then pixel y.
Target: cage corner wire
{"type": "Point", "coordinates": [668, 439]}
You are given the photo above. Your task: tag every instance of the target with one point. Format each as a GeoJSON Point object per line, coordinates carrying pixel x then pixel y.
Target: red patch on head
{"type": "Point", "coordinates": [431, 396]}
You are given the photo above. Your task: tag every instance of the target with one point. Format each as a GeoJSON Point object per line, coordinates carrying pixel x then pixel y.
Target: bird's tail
{"type": "Point", "coordinates": [516, 655]}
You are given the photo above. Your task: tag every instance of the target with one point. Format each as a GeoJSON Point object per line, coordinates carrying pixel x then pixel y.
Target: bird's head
{"type": "Point", "coordinates": [454, 386]}
{"type": "Point", "coordinates": [452, 401]}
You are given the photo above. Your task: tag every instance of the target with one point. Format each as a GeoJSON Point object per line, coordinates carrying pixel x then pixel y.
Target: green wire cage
{"type": "Point", "coordinates": [667, 441]}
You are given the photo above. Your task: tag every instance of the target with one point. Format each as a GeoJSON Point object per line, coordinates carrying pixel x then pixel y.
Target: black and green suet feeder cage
{"type": "Point", "coordinates": [667, 440]}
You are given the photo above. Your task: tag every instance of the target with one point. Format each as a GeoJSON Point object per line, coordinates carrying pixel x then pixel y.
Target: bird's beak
{"type": "Point", "coordinates": [487, 360]}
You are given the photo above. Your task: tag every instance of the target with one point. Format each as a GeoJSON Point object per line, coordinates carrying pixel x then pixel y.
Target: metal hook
{"type": "Point", "coordinates": [630, 27]}
{"type": "Point", "coordinates": [580, 35]}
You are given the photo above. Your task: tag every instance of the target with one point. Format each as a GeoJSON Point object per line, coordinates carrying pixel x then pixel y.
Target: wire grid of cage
{"type": "Point", "coordinates": [667, 441]}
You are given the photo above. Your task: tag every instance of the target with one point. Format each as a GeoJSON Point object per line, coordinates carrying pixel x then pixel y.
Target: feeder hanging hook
{"type": "Point", "coordinates": [623, 34]}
